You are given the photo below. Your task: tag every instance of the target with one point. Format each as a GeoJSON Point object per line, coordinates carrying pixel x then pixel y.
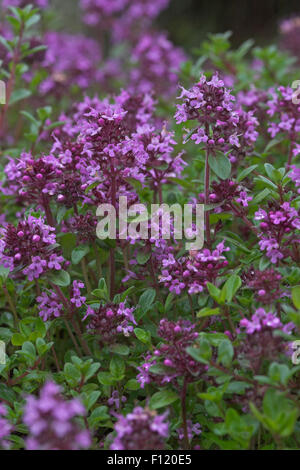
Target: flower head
{"type": "Point", "coordinates": [51, 423]}
{"type": "Point", "coordinates": [141, 429]}
{"type": "Point", "coordinates": [110, 321]}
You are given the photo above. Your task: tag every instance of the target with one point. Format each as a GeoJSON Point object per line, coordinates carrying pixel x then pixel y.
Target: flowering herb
{"type": "Point", "coordinates": [133, 341]}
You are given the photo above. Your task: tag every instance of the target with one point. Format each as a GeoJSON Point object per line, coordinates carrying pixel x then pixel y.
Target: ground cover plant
{"type": "Point", "coordinates": [133, 343]}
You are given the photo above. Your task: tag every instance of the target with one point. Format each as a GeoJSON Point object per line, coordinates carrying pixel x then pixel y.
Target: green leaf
{"type": "Point", "coordinates": [18, 339]}
{"type": "Point", "coordinates": [4, 272]}
{"type": "Point", "coordinates": [28, 350]}
{"type": "Point", "coordinates": [220, 165]}
{"type": "Point", "coordinates": [245, 173]}
{"type": "Point", "coordinates": [79, 253]}
{"type": "Point", "coordinates": [279, 373]}
{"type": "Point", "coordinates": [262, 195]}
{"type": "Point", "coordinates": [117, 368]}
{"type": "Point", "coordinates": [93, 368]}
{"type": "Point", "coordinates": [142, 335]}
{"type": "Point", "coordinates": [19, 95]}
{"type": "Point", "coordinates": [272, 144]}
{"type": "Point", "coordinates": [208, 312]}
{"type": "Point", "coordinates": [105, 378]}
{"type": "Point", "coordinates": [225, 353]}
{"type": "Point", "coordinates": [72, 374]}
{"type": "Point", "coordinates": [60, 278]}
{"type": "Point", "coordinates": [120, 349]}
{"type": "Point", "coordinates": [30, 118]}
{"type": "Point", "coordinates": [7, 394]}
{"type": "Point", "coordinates": [184, 183]}
{"type": "Point", "coordinates": [240, 428]}
{"type": "Point", "coordinates": [41, 347]}
{"type": "Point", "coordinates": [296, 296]}
{"type": "Point", "coordinates": [266, 181]}
{"type": "Point", "coordinates": [162, 399]}
{"type": "Point", "coordinates": [6, 44]}
{"type": "Point", "coordinates": [231, 286]}
{"type": "Point", "coordinates": [264, 262]}
{"type": "Point", "coordinates": [44, 113]}
{"type": "Point", "coordinates": [132, 385]}
{"type": "Point", "coordinates": [146, 300]}
{"type": "Point", "coordinates": [214, 292]}
{"type": "Point", "coordinates": [98, 414]}
{"type": "Point", "coordinates": [160, 369]}
{"type": "Point", "coordinates": [143, 258]}
{"type": "Point", "coordinates": [32, 21]}
{"type": "Point", "coordinates": [202, 351]}
{"type": "Point", "coordinates": [91, 398]}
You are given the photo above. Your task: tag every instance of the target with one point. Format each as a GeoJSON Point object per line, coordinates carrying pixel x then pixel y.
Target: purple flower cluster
{"type": "Point", "coordinates": [279, 227]}
{"type": "Point", "coordinates": [158, 63]}
{"type": "Point", "coordinates": [177, 336]}
{"type": "Point", "coordinates": [192, 430]}
{"type": "Point", "coordinates": [76, 298]}
{"type": "Point", "coordinates": [49, 306]}
{"type": "Point", "coordinates": [210, 104]}
{"type": "Point", "coordinates": [222, 125]}
{"type": "Point", "coordinates": [290, 35]}
{"type": "Point", "coordinates": [33, 179]}
{"type": "Point", "coordinates": [122, 140]}
{"type": "Point", "coordinates": [69, 60]}
{"type": "Point", "coordinates": [115, 400]}
{"type": "Point", "coordinates": [285, 117]}
{"type": "Point", "coordinates": [260, 320]}
{"type": "Point", "coordinates": [29, 248]}
{"type": "Point", "coordinates": [193, 272]}
{"type": "Point", "coordinates": [141, 429]}
{"type": "Point", "coordinates": [59, 176]}
{"type": "Point", "coordinates": [224, 193]}
{"type": "Point", "coordinates": [265, 284]}
{"type": "Point", "coordinates": [94, 155]}
{"type": "Point", "coordinates": [125, 18]}
{"type": "Point", "coordinates": [23, 3]}
{"type": "Point", "coordinates": [158, 147]}
{"type": "Point", "coordinates": [295, 176]}
{"type": "Point", "coordinates": [51, 422]}
{"type": "Point", "coordinates": [111, 321]}
{"type": "Point", "coordinates": [83, 225]}
{"type": "Point", "coordinates": [260, 343]}
{"type": "Point", "coordinates": [5, 428]}
{"type": "Point", "coordinates": [101, 11]}
{"type": "Point", "coordinates": [247, 136]}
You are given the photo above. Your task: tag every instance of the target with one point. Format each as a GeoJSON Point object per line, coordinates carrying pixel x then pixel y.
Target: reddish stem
{"type": "Point", "coordinates": [206, 189]}
{"type": "Point", "coordinates": [184, 415]}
